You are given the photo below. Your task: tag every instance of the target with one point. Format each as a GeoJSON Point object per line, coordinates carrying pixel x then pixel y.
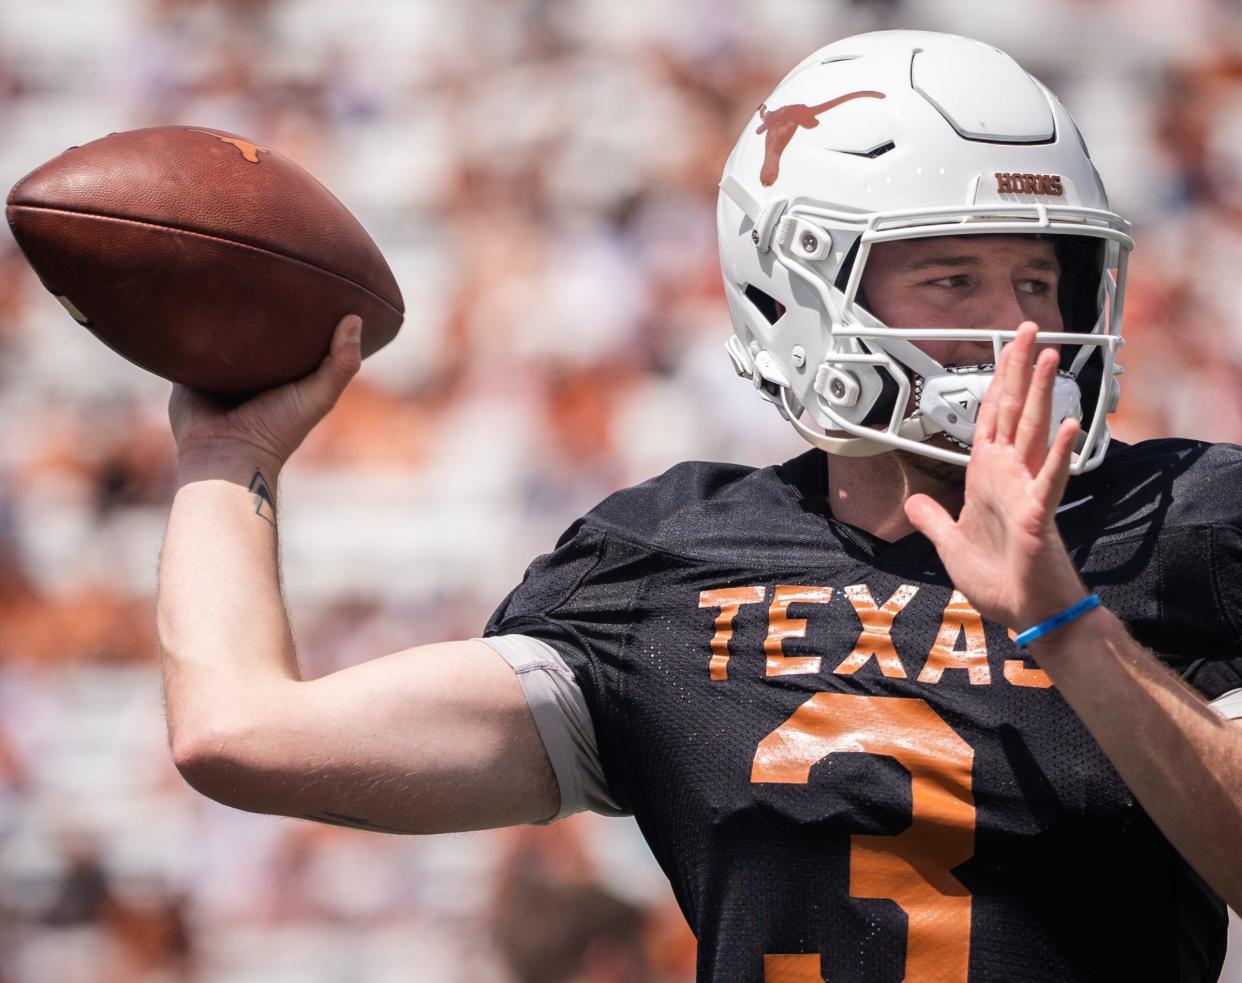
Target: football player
{"type": "Point", "coordinates": [948, 697]}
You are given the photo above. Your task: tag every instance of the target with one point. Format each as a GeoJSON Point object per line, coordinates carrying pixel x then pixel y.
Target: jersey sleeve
{"type": "Point", "coordinates": [1202, 574]}
{"type": "Point", "coordinates": [580, 601]}
{"type": "Point", "coordinates": [1165, 551]}
{"type": "Point", "coordinates": [1217, 675]}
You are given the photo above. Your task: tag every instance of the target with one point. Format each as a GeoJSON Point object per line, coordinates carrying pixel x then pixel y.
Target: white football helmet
{"type": "Point", "coordinates": [897, 135]}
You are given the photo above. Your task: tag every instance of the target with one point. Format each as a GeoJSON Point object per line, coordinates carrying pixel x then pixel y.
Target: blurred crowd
{"type": "Point", "coordinates": [541, 175]}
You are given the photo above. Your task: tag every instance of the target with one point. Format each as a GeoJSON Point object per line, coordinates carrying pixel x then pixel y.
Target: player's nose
{"type": "Point", "coordinates": [1001, 309]}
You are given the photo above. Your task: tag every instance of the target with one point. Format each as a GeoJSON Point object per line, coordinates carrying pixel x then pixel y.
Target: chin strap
{"type": "Point", "coordinates": [911, 429]}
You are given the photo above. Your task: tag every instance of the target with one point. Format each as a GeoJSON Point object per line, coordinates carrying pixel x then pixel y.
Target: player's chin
{"type": "Point", "coordinates": [945, 471]}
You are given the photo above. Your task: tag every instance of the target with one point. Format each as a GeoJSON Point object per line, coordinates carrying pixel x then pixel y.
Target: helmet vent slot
{"type": "Point", "coordinates": [766, 304]}
{"type": "Point", "coordinates": [875, 152]}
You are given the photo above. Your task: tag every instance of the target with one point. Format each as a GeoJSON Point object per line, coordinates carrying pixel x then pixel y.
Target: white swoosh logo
{"type": "Point", "coordinates": [1069, 505]}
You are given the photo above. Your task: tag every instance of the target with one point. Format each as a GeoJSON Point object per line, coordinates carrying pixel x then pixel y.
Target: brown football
{"type": "Point", "coordinates": [202, 256]}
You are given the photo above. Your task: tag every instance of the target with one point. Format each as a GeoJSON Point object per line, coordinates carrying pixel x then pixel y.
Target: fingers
{"type": "Point", "coordinates": [985, 422]}
{"type": "Point", "coordinates": [1014, 380]}
{"type": "Point", "coordinates": [323, 387]}
{"type": "Point", "coordinates": [929, 517]}
{"type": "Point", "coordinates": [1031, 437]}
{"type": "Point", "coordinates": [346, 350]}
{"type": "Point", "coordinates": [1050, 483]}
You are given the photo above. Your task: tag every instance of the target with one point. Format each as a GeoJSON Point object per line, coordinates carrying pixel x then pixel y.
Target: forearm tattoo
{"type": "Point", "coordinates": [264, 501]}
{"type": "Point", "coordinates": [352, 822]}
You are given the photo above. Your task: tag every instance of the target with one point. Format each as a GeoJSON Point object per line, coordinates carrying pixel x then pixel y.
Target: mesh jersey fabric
{"type": "Point", "coordinates": [563, 720]}
{"type": "Point", "coordinates": [843, 770]}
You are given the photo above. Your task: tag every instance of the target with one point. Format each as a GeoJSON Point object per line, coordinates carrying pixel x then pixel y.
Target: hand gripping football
{"type": "Point", "coordinates": [201, 256]}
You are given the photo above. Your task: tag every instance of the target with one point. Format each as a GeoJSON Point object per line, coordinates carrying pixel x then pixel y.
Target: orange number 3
{"type": "Point", "coordinates": [913, 867]}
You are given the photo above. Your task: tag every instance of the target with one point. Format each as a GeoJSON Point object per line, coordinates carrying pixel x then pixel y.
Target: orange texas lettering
{"type": "Point", "coordinates": [782, 123]}
{"type": "Point", "coordinates": [247, 149]}
{"type": "Point", "coordinates": [960, 649]}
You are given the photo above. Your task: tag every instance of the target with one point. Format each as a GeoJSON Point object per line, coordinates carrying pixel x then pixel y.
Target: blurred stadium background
{"type": "Point", "coordinates": [541, 175]}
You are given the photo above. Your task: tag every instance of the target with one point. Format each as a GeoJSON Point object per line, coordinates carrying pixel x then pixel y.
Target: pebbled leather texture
{"type": "Point", "coordinates": [202, 256]}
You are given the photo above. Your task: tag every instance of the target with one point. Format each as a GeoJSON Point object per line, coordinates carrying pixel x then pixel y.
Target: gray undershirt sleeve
{"type": "Point", "coordinates": [563, 721]}
{"type": "Point", "coordinates": [1228, 705]}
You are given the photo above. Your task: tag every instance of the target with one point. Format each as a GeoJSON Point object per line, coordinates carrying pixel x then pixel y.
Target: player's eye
{"type": "Point", "coordinates": [1037, 287]}
{"type": "Point", "coordinates": [955, 280]}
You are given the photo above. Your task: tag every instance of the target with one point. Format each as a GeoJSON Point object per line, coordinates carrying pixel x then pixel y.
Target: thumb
{"type": "Point", "coordinates": [929, 517]}
{"type": "Point", "coordinates": [323, 386]}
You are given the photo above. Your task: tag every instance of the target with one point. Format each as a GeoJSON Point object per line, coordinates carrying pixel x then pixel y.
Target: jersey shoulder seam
{"type": "Point", "coordinates": [623, 653]}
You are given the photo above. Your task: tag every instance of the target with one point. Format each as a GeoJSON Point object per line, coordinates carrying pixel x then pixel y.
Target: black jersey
{"type": "Point", "coordinates": [846, 773]}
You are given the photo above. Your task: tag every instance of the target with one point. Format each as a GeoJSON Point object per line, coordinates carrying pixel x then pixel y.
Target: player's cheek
{"type": "Point", "coordinates": [944, 352]}
{"type": "Point", "coordinates": [1048, 315]}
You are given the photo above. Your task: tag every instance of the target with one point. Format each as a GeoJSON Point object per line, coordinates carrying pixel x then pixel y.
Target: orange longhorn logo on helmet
{"type": "Point", "coordinates": [782, 123]}
{"type": "Point", "coordinates": [1029, 184]}
{"type": "Point", "coordinates": [248, 150]}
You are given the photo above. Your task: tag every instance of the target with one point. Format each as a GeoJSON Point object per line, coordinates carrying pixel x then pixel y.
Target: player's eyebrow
{"type": "Point", "coordinates": [927, 262]}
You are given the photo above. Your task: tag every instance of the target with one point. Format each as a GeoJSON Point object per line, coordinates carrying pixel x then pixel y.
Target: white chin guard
{"type": "Point", "coordinates": [949, 403]}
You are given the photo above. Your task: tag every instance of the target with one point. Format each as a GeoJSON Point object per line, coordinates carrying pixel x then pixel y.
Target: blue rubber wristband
{"type": "Point", "coordinates": [1058, 621]}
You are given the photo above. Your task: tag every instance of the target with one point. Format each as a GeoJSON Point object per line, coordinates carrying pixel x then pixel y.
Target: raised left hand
{"type": "Point", "coordinates": [1004, 551]}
